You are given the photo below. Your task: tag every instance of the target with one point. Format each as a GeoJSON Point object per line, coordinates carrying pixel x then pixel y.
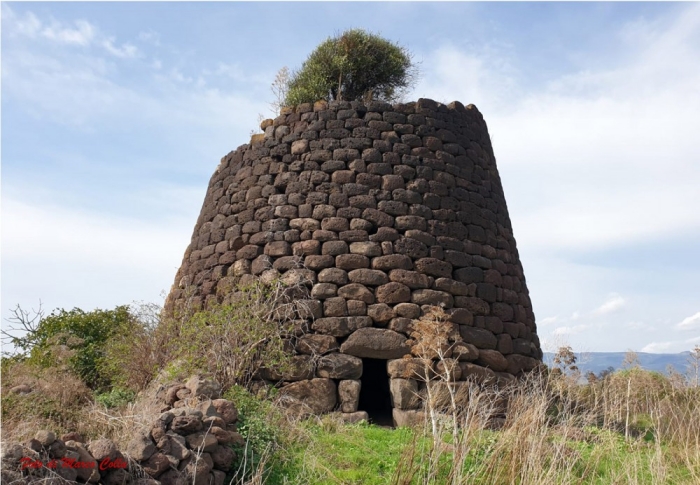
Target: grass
{"type": "Point", "coordinates": [334, 453]}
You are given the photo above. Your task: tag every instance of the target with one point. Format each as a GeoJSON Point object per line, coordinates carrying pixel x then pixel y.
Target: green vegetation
{"type": "Point", "coordinates": [261, 424]}
{"type": "Point", "coordinates": [75, 340]}
{"type": "Point", "coordinates": [229, 341]}
{"type": "Point", "coordinates": [367, 454]}
{"type": "Point", "coordinates": [115, 398]}
{"type": "Point", "coordinates": [627, 426]}
{"type": "Point", "coordinates": [352, 66]}
{"type": "Point", "coordinates": [72, 360]}
{"type": "Point", "coordinates": [333, 452]}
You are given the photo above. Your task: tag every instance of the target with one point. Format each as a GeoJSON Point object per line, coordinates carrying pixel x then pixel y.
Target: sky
{"type": "Point", "coordinates": [115, 115]}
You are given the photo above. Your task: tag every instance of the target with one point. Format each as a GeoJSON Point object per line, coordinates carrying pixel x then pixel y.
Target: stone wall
{"type": "Point", "coordinates": [383, 210]}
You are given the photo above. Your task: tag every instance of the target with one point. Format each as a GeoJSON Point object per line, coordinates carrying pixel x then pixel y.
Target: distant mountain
{"type": "Point", "coordinates": [599, 361]}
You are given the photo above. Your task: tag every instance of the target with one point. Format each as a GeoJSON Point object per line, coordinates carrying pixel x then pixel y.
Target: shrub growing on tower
{"type": "Point", "coordinates": [355, 65]}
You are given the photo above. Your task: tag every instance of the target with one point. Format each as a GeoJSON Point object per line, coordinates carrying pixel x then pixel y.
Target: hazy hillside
{"type": "Point", "coordinates": [598, 361]}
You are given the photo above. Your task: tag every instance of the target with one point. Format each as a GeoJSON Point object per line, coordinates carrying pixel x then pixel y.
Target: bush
{"type": "Point", "coordinates": [231, 341]}
{"type": "Point", "coordinates": [354, 65]}
{"type": "Point", "coordinates": [146, 335]}
{"type": "Point", "coordinates": [260, 424]}
{"type": "Point", "coordinates": [72, 340]}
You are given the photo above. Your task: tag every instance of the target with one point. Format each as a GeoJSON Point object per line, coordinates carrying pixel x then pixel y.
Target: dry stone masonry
{"type": "Point", "coordinates": [383, 210]}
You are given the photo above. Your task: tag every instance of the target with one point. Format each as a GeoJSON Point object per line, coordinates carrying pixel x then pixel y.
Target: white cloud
{"type": "Point", "coordinates": [671, 346]}
{"type": "Point", "coordinates": [573, 330]}
{"type": "Point", "coordinates": [483, 76]}
{"type": "Point", "coordinates": [150, 36]}
{"type": "Point", "coordinates": [86, 92]}
{"type": "Point", "coordinates": [126, 51]}
{"type": "Point", "coordinates": [83, 34]}
{"type": "Point", "coordinates": [690, 323]}
{"type": "Point", "coordinates": [29, 25]}
{"type": "Point", "coordinates": [639, 326]}
{"type": "Point", "coordinates": [658, 347]}
{"type": "Point", "coordinates": [613, 304]}
{"type": "Point", "coordinates": [547, 321]}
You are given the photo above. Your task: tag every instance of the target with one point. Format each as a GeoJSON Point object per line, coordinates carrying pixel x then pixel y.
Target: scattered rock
{"type": "Point", "coordinates": [140, 447]}
{"type": "Point", "coordinates": [204, 387]}
{"type": "Point", "coordinates": [21, 389]}
{"type": "Point", "coordinates": [103, 448]}
{"type": "Point", "coordinates": [73, 436]}
{"type": "Point", "coordinates": [356, 417]}
{"type": "Point", "coordinates": [45, 438]}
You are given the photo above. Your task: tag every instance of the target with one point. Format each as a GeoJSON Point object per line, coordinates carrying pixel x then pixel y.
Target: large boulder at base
{"type": "Point", "coordinates": [519, 363]}
{"type": "Point", "coordinates": [404, 393]}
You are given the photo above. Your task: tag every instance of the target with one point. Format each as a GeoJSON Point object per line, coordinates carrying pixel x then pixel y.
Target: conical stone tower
{"type": "Point", "coordinates": [384, 210]}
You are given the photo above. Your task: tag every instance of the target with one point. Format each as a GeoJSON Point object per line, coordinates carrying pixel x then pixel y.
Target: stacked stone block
{"type": "Point", "coordinates": [383, 210]}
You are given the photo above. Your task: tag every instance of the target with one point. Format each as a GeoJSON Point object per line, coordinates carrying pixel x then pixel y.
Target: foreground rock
{"type": "Point", "coordinates": [193, 425]}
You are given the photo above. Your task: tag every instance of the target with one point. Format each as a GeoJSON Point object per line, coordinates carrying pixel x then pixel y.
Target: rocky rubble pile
{"type": "Point", "coordinates": [191, 442]}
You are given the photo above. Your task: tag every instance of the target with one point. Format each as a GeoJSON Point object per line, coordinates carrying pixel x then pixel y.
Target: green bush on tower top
{"type": "Point", "coordinates": [354, 65]}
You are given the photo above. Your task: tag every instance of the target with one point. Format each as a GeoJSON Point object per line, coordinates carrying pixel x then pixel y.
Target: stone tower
{"type": "Point", "coordinates": [384, 209]}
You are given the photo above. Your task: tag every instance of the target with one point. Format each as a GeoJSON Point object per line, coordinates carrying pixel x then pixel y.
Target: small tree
{"type": "Point", "coordinates": [565, 359]}
{"type": "Point", "coordinates": [352, 66]}
{"type": "Point", "coordinates": [631, 360]}
{"type": "Point", "coordinates": [74, 340]}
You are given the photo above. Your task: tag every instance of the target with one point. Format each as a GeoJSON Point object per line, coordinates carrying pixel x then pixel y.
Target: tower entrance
{"type": "Point", "coordinates": [375, 396]}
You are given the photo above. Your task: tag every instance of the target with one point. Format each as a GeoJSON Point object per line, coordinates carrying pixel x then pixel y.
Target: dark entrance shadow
{"type": "Point", "coordinates": [375, 397]}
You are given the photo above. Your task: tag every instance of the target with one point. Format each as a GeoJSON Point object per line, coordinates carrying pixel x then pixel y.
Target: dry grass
{"type": "Point", "coordinates": [633, 426]}
{"type": "Point", "coordinates": [557, 431]}
{"type": "Point", "coordinates": [56, 401]}
{"type": "Point", "coordinates": [60, 402]}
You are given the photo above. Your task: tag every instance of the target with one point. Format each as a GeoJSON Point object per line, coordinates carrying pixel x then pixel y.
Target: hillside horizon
{"type": "Point", "coordinates": [599, 361]}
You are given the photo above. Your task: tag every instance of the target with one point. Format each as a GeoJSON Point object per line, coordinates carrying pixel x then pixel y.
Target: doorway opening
{"type": "Point", "coordinates": [375, 396]}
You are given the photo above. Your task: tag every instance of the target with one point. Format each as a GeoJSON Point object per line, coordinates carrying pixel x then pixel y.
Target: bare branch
{"type": "Point", "coordinates": [26, 324]}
